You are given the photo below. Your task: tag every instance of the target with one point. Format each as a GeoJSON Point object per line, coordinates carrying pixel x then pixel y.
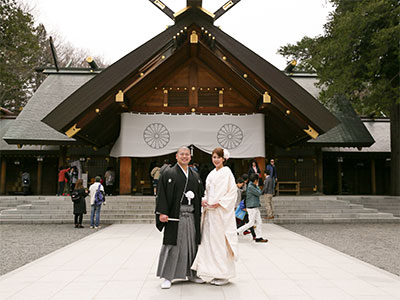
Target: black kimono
{"type": "Point", "coordinates": [171, 187]}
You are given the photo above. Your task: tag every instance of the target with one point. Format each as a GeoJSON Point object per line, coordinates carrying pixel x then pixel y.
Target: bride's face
{"type": "Point", "coordinates": [217, 161]}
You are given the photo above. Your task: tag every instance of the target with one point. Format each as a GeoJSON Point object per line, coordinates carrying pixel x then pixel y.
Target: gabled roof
{"type": "Point", "coordinates": [7, 148]}
{"type": "Point", "coordinates": [28, 127]}
{"type": "Point", "coordinates": [351, 132]}
{"type": "Point", "coordinates": [379, 129]}
{"type": "Point", "coordinates": [116, 76]}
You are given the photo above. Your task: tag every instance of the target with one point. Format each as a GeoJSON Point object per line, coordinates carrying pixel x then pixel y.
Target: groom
{"type": "Point", "coordinates": [178, 211]}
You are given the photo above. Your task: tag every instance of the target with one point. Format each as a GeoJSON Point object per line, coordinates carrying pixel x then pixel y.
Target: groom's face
{"type": "Point", "coordinates": [183, 156]}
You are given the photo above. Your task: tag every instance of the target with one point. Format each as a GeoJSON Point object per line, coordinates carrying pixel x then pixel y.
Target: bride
{"type": "Point", "coordinates": [218, 249]}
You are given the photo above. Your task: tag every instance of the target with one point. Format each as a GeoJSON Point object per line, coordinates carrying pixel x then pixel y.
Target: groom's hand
{"type": "Point", "coordinates": [163, 218]}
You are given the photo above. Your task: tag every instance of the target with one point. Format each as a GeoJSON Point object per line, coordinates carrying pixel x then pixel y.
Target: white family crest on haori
{"type": "Point", "coordinates": [189, 195]}
{"type": "Point", "coordinates": [149, 135]}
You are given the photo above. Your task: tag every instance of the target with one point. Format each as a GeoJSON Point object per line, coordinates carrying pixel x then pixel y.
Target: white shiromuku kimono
{"type": "Point", "coordinates": [218, 249]}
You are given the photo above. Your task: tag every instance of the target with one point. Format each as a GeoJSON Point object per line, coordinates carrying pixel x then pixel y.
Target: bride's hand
{"type": "Point", "coordinates": [204, 203]}
{"type": "Point", "coordinates": [214, 205]}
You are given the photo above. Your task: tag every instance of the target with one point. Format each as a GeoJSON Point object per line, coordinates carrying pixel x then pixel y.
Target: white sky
{"type": "Point", "coordinates": [114, 30]}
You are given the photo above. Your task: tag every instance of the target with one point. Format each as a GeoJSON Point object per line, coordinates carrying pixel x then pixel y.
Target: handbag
{"type": "Point", "coordinates": [240, 213]}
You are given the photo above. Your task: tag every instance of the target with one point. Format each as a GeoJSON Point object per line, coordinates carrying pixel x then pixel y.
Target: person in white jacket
{"type": "Point", "coordinates": [95, 207]}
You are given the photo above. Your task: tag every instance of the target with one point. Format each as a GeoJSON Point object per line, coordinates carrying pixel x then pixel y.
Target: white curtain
{"type": "Point", "coordinates": [149, 135]}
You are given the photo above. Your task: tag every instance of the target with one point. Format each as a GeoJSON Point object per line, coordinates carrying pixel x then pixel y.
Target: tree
{"type": "Point", "coordinates": [19, 49]}
{"type": "Point", "coordinates": [24, 46]}
{"type": "Point", "coordinates": [358, 56]}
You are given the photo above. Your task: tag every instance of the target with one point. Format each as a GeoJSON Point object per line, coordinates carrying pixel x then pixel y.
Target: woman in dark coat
{"type": "Point", "coordinates": [79, 203]}
{"type": "Point", "coordinates": [253, 168]}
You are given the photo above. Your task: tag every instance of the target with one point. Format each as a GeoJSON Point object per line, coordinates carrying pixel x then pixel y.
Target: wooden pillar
{"type": "Point", "coordinates": [373, 177]}
{"type": "Point", "coordinates": [125, 175]}
{"type": "Point", "coordinates": [320, 172]}
{"type": "Point", "coordinates": [261, 164]}
{"type": "Point", "coordinates": [62, 156]}
{"type": "Point", "coordinates": [39, 177]}
{"type": "Point", "coordinates": [3, 177]}
{"type": "Point", "coordinates": [339, 178]}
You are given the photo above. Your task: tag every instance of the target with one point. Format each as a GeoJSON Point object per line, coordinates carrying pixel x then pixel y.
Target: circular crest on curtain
{"type": "Point", "coordinates": [229, 136]}
{"type": "Point", "coordinates": [156, 135]}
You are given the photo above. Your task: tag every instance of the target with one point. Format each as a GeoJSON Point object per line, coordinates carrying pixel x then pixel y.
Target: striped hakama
{"type": "Point", "coordinates": [176, 260]}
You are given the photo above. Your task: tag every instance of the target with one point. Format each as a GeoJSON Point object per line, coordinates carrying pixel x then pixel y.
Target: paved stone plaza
{"type": "Point", "coordinates": [119, 262]}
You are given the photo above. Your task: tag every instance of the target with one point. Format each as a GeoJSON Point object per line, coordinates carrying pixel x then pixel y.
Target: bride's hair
{"type": "Point", "coordinates": [220, 152]}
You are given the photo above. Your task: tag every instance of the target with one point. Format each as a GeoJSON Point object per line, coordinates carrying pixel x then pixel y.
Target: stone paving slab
{"type": "Point", "coordinates": [119, 263]}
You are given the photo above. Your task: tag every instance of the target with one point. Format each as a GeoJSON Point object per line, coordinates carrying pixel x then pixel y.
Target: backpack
{"type": "Point", "coordinates": [99, 196]}
{"type": "Point", "coordinates": [75, 196]}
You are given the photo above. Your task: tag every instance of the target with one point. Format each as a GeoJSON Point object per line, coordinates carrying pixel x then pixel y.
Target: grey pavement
{"type": "Point", "coordinates": [21, 244]}
{"type": "Point", "coordinates": [119, 262]}
{"type": "Point", "coordinates": [377, 244]}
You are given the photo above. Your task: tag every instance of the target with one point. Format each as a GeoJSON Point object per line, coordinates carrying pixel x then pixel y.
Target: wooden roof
{"type": "Point", "coordinates": [292, 109]}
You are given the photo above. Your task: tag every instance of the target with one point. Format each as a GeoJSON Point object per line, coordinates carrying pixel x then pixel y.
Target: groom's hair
{"type": "Point", "coordinates": [182, 147]}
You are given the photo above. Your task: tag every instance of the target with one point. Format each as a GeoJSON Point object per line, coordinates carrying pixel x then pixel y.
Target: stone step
{"type": "Point", "coordinates": [343, 215]}
{"type": "Point", "coordinates": [68, 216]}
{"type": "Point", "coordinates": [128, 209]}
{"type": "Point", "coordinates": [104, 221]}
{"type": "Point", "coordinates": [330, 221]}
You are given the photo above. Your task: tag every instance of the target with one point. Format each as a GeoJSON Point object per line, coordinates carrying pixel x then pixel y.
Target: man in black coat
{"type": "Point", "coordinates": [178, 212]}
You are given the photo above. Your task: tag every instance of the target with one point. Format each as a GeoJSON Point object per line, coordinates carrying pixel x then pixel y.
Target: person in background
{"type": "Point", "coordinates": [110, 180]}
{"type": "Point", "coordinates": [245, 220]}
{"type": "Point", "coordinates": [272, 172]}
{"type": "Point", "coordinates": [239, 185]}
{"type": "Point", "coordinates": [252, 204]}
{"type": "Point", "coordinates": [268, 190]}
{"type": "Point", "coordinates": [62, 179]}
{"type": "Point", "coordinates": [253, 169]}
{"type": "Point", "coordinates": [78, 197]}
{"type": "Point", "coordinates": [95, 207]}
{"type": "Point", "coordinates": [155, 173]}
{"type": "Point", "coordinates": [166, 164]}
{"type": "Point", "coordinates": [195, 167]}
{"type": "Point", "coordinates": [73, 175]}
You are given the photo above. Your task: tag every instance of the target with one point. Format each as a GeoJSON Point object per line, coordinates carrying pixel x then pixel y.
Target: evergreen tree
{"type": "Point", "coordinates": [19, 54]}
{"type": "Point", "coordinates": [23, 47]}
{"type": "Point", "coordinates": [358, 56]}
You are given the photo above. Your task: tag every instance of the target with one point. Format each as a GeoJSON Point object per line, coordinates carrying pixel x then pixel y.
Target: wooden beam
{"type": "Point", "coordinates": [3, 176]}
{"type": "Point", "coordinates": [373, 177]}
{"type": "Point", "coordinates": [244, 99]}
{"type": "Point", "coordinates": [320, 171]}
{"type": "Point", "coordinates": [224, 8]}
{"type": "Point", "coordinates": [125, 175]}
{"type": "Point", "coordinates": [39, 177]}
{"type": "Point", "coordinates": [261, 164]}
{"type": "Point", "coordinates": [340, 180]}
{"type": "Point", "coordinates": [221, 98]}
{"type": "Point", "coordinates": [194, 3]}
{"type": "Point", "coordinates": [184, 110]}
{"type": "Point", "coordinates": [165, 9]}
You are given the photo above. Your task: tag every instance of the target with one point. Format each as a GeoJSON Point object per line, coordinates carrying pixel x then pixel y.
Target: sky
{"type": "Point", "coordinates": [112, 29]}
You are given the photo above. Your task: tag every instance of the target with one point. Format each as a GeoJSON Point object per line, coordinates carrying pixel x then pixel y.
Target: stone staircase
{"type": "Point", "coordinates": [58, 210]}
{"type": "Point", "coordinates": [9, 202]}
{"type": "Point", "coordinates": [325, 209]}
{"type": "Point", "coordinates": [388, 204]}
{"type": "Point", "coordinates": [140, 209]}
